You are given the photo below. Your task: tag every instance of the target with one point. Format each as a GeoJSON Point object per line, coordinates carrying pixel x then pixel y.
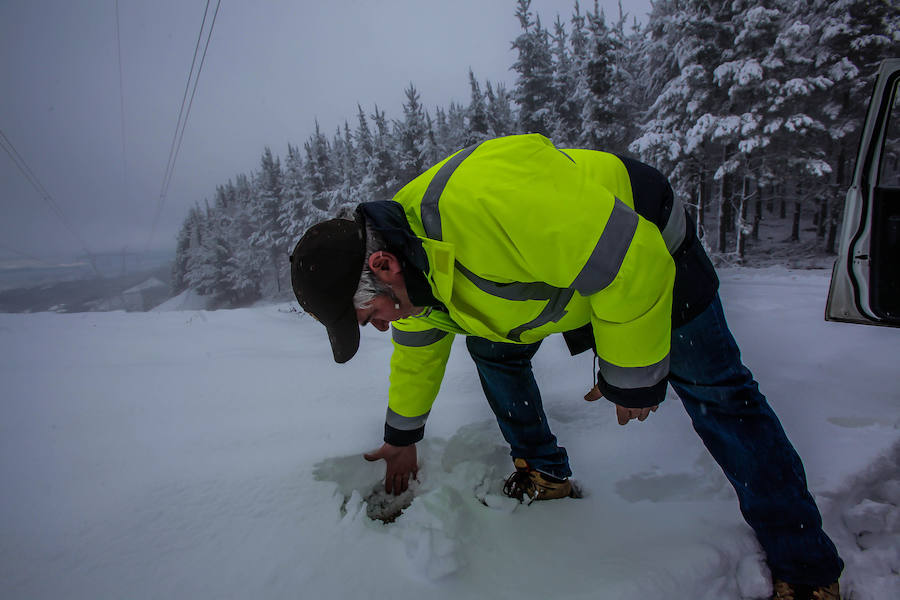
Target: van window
{"type": "Point", "coordinates": [889, 172]}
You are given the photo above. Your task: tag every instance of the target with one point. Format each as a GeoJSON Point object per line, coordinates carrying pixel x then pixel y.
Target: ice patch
{"type": "Point", "coordinates": [856, 422]}
{"type": "Point", "coordinates": [704, 482]}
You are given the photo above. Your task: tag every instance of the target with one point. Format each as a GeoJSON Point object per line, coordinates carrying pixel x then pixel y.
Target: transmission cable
{"type": "Point", "coordinates": [45, 195]}
{"type": "Point", "coordinates": [121, 105]}
{"type": "Point", "coordinates": [181, 124]}
{"type": "Point", "coordinates": [26, 255]}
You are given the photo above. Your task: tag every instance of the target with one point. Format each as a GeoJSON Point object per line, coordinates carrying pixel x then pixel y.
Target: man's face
{"type": "Point", "coordinates": [381, 311]}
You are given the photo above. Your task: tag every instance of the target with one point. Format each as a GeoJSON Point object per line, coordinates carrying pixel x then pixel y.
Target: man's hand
{"type": "Point", "coordinates": [622, 414]}
{"type": "Point", "coordinates": [626, 414]}
{"type": "Point", "coordinates": [402, 463]}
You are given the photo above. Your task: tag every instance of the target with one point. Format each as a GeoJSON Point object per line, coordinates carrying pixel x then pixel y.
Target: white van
{"type": "Point", "coordinates": [865, 282]}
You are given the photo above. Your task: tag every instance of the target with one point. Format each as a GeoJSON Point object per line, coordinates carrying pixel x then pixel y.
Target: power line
{"type": "Point", "coordinates": [193, 91]}
{"type": "Point", "coordinates": [121, 103]}
{"type": "Point", "coordinates": [187, 86]}
{"type": "Point", "coordinates": [25, 255]}
{"type": "Point", "coordinates": [181, 124]}
{"type": "Point", "coordinates": [44, 194]}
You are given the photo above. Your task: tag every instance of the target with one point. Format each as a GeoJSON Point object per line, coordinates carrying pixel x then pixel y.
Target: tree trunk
{"type": "Point", "coordinates": [704, 199]}
{"type": "Point", "coordinates": [723, 217]}
{"type": "Point", "coordinates": [795, 227]}
{"type": "Point", "coordinates": [822, 217]}
{"type": "Point", "coordinates": [837, 205]}
{"type": "Point", "coordinates": [695, 202]}
{"type": "Point", "coordinates": [757, 213]}
{"type": "Point", "coordinates": [740, 217]}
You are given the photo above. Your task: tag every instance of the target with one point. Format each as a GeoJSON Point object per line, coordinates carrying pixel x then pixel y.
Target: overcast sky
{"type": "Point", "coordinates": [273, 66]}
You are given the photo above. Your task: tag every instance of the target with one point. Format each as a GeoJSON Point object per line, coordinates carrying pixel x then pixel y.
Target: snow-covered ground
{"type": "Point", "coordinates": [190, 454]}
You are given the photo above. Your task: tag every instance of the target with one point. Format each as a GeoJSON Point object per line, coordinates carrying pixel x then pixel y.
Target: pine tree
{"type": "Point", "coordinates": [410, 135]}
{"type": "Point", "coordinates": [851, 38]}
{"type": "Point", "coordinates": [603, 91]}
{"type": "Point", "coordinates": [246, 265]}
{"type": "Point", "coordinates": [681, 133]}
{"type": "Point", "coordinates": [293, 218]}
{"type": "Point", "coordinates": [319, 177]}
{"type": "Point", "coordinates": [268, 238]}
{"type": "Point", "coordinates": [476, 115]}
{"type": "Point", "coordinates": [566, 126]}
{"type": "Point", "coordinates": [534, 91]}
{"type": "Point", "coordinates": [187, 237]}
{"type": "Point", "coordinates": [501, 119]}
{"type": "Point", "coordinates": [456, 128]}
{"type": "Point", "coordinates": [382, 167]}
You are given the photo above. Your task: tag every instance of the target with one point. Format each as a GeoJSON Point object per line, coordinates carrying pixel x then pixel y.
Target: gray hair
{"type": "Point", "coordinates": [369, 285]}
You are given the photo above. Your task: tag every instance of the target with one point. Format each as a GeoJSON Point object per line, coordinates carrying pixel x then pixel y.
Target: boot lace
{"type": "Point", "coordinates": [783, 591]}
{"type": "Point", "coordinates": [518, 485]}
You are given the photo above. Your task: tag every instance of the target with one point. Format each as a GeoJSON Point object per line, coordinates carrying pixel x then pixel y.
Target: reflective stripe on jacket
{"type": "Point", "coordinates": [524, 240]}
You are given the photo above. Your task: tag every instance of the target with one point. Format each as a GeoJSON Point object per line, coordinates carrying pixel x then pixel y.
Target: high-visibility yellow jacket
{"type": "Point", "coordinates": [524, 240]}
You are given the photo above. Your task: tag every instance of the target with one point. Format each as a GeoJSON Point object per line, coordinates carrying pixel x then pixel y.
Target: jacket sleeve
{"type": "Point", "coordinates": [631, 319]}
{"type": "Point", "coordinates": [417, 369]}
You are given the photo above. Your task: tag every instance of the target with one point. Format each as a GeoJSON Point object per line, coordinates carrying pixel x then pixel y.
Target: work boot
{"type": "Point", "coordinates": [790, 591]}
{"type": "Point", "coordinates": [526, 481]}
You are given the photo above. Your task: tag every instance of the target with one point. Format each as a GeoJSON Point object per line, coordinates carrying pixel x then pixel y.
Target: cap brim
{"type": "Point", "coordinates": [344, 336]}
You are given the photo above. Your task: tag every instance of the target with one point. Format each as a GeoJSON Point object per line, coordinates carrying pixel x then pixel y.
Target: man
{"type": "Point", "coordinates": [511, 240]}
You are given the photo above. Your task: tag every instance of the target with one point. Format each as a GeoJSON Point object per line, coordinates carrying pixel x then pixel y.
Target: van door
{"type": "Point", "coordinates": [865, 282]}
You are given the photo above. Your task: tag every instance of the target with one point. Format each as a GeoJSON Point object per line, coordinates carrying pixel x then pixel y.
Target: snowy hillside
{"type": "Point", "coordinates": [192, 454]}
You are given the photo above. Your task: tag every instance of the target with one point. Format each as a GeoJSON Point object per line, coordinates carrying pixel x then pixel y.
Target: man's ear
{"type": "Point", "coordinates": [385, 266]}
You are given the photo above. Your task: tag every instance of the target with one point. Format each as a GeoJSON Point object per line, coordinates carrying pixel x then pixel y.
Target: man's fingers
{"type": "Point", "coordinates": [593, 394]}
{"type": "Point", "coordinates": [372, 456]}
{"type": "Point", "coordinates": [624, 415]}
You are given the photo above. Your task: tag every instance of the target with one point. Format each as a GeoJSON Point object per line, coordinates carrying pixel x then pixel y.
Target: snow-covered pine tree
{"type": "Point", "coordinates": [206, 256]}
{"type": "Point", "coordinates": [567, 123]}
{"type": "Point", "coordinates": [608, 116]}
{"type": "Point", "coordinates": [187, 237]}
{"type": "Point", "coordinates": [268, 236]}
{"type": "Point", "coordinates": [244, 269]}
{"type": "Point", "coordinates": [293, 218]}
{"type": "Point", "coordinates": [795, 120]}
{"type": "Point", "coordinates": [383, 167]}
{"type": "Point", "coordinates": [850, 39]}
{"type": "Point", "coordinates": [431, 151]}
{"type": "Point", "coordinates": [476, 114]}
{"type": "Point", "coordinates": [456, 129]}
{"type": "Point", "coordinates": [344, 194]}
{"type": "Point", "coordinates": [319, 175]}
{"type": "Point", "coordinates": [501, 119]}
{"type": "Point", "coordinates": [410, 137]}
{"type": "Point", "coordinates": [534, 91]}
{"type": "Point", "coordinates": [685, 41]}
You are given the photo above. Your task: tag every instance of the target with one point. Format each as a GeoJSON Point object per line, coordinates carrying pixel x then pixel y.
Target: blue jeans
{"type": "Point", "coordinates": [508, 382]}
{"type": "Point", "coordinates": [729, 413]}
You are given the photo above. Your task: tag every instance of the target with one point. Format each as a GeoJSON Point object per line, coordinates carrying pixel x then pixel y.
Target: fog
{"type": "Point", "coordinates": [272, 69]}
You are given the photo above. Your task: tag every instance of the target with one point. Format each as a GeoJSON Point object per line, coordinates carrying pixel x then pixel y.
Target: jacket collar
{"type": "Point", "coordinates": [388, 219]}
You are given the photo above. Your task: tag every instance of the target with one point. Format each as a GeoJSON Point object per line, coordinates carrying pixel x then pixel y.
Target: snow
{"type": "Point", "coordinates": [150, 284]}
{"type": "Point", "coordinates": [195, 454]}
{"type": "Point", "coordinates": [186, 300]}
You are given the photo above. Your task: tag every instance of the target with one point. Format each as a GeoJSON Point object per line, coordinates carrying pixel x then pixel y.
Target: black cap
{"type": "Point", "coordinates": [326, 265]}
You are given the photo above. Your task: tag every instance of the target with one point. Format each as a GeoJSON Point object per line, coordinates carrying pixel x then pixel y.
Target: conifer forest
{"type": "Point", "coordinates": [753, 110]}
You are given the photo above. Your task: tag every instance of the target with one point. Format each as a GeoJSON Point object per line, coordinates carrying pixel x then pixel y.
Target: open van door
{"type": "Point", "coordinates": [865, 282]}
